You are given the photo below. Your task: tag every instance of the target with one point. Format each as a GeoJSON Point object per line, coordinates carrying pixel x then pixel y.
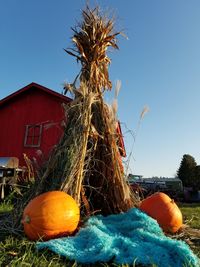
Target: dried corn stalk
{"type": "Point", "coordinates": [102, 177]}
{"type": "Point", "coordinates": [86, 163]}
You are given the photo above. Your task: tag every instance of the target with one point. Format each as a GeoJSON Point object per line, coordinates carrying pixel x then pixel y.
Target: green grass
{"type": "Point", "coordinates": [5, 207]}
{"type": "Point", "coordinates": [20, 252]}
{"type": "Point", "coordinates": [191, 217]}
{"type": "Point", "coordinates": [191, 214]}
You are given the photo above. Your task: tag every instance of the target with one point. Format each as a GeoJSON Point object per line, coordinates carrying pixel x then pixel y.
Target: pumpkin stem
{"type": "Point", "coordinates": [27, 219]}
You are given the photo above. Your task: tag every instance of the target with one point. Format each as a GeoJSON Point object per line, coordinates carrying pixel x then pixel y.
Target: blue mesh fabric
{"type": "Point", "coordinates": [123, 239]}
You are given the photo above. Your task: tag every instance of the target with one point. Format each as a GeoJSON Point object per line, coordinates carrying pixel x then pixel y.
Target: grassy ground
{"type": "Point", "coordinates": [191, 217]}
{"type": "Point", "coordinates": [21, 252]}
{"type": "Point", "coordinates": [191, 214]}
{"type": "Point", "coordinates": [5, 207]}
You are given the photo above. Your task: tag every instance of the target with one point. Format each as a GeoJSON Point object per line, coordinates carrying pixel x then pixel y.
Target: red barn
{"type": "Point", "coordinates": [31, 123]}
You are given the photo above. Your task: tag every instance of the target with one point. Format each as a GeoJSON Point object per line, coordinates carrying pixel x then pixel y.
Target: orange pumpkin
{"type": "Point", "coordinates": [50, 215]}
{"type": "Point", "coordinates": [163, 209]}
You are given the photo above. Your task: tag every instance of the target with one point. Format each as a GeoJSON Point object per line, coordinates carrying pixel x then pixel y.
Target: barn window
{"type": "Point", "coordinates": [33, 135]}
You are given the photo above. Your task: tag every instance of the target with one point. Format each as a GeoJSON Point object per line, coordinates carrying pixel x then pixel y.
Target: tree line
{"type": "Point", "coordinates": [189, 172]}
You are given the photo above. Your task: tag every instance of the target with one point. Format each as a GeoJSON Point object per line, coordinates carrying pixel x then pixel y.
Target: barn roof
{"type": "Point", "coordinates": [37, 86]}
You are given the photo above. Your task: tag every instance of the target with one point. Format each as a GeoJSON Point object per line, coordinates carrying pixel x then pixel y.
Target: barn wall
{"type": "Point", "coordinates": [31, 107]}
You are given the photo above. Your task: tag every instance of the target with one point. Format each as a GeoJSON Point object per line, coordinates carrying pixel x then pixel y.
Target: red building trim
{"type": "Point", "coordinates": [121, 145]}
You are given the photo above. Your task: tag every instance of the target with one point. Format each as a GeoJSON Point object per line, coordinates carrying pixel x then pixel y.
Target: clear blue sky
{"type": "Point", "coordinates": [158, 66]}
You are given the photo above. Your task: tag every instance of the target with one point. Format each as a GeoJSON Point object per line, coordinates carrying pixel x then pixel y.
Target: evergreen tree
{"type": "Point", "coordinates": [197, 176]}
{"type": "Point", "coordinates": [187, 171]}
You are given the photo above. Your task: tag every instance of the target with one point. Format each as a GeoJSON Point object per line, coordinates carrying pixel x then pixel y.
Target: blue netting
{"type": "Point", "coordinates": [123, 238]}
